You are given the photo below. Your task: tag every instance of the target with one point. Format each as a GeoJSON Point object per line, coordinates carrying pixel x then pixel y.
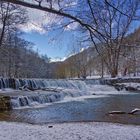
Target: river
{"type": "Point", "coordinates": [88, 108]}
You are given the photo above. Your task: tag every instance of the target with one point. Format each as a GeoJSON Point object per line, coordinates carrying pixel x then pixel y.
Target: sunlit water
{"type": "Point", "coordinates": [80, 109]}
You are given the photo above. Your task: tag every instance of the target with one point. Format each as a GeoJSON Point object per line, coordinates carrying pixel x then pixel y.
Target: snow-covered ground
{"type": "Point", "coordinates": [109, 77]}
{"type": "Point", "coordinates": [69, 131]}
{"type": "Point", "coordinates": [105, 90]}
{"type": "Point", "coordinates": [130, 84]}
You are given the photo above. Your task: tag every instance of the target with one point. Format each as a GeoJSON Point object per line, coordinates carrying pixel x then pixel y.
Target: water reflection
{"type": "Point", "coordinates": [91, 109]}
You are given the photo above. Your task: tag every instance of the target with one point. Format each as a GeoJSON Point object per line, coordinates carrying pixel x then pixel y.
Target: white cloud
{"type": "Point", "coordinates": [30, 27]}
{"type": "Point", "coordinates": [71, 26]}
{"type": "Point", "coordinates": [38, 21]}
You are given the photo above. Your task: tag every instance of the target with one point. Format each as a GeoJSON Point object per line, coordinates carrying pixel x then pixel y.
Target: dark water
{"type": "Point", "coordinates": [90, 109]}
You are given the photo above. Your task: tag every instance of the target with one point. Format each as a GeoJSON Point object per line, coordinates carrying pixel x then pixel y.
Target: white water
{"type": "Point", "coordinates": [58, 90]}
{"type": "Point", "coordinates": [41, 83]}
{"type": "Point", "coordinates": [62, 89]}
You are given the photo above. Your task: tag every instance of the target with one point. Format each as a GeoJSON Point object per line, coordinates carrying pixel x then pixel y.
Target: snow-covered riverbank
{"type": "Point", "coordinates": [106, 90]}
{"type": "Point", "coordinates": [69, 131]}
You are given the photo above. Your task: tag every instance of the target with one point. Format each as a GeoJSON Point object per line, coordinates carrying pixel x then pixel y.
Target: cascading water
{"type": "Point", "coordinates": [41, 83]}
{"type": "Point", "coordinates": [32, 100]}
{"type": "Point", "coordinates": [41, 91]}
{"type": "Point", "coordinates": [43, 97]}
{"type": "Point", "coordinates": [32, 92]}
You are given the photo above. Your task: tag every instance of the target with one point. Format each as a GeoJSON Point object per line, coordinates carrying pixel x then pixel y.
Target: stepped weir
{"type": "Point", "coordinates": [16, 93]}
{"type": "Point", "coordinates": [19, 93]}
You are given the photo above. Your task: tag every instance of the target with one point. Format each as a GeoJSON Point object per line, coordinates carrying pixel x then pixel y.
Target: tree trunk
{"type": "Point", "coordinates": [2, 34]}
{"type": "Point", "coordinates": [102, 73]}
{"type": "Point", "coordinates": [114, 73]}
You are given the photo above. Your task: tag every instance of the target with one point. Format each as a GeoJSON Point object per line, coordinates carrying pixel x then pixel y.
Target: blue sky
{"type": "Point", "coordinates": [55, 44]}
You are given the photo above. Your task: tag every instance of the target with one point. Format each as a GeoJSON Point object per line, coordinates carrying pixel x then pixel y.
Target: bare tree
{"type": "Point", "coordinates": [105, 22]}
{"type": "Point", "coordinates": [10, 17]}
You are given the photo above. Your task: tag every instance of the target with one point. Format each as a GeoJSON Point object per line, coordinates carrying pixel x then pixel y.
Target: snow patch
{"type": "Point", "coordinates": [69, 131]}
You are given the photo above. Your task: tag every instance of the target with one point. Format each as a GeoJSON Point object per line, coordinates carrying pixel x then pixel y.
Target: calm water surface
{"type": "Point", "coordinates": [90, 109]}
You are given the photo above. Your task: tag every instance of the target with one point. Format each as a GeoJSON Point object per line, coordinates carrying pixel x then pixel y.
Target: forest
{"type": "Point", "coordinates": [112, 40]}
{"type": "Point", "coordinates": [17, 57]}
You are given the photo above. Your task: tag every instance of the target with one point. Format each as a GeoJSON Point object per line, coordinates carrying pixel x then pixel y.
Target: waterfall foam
{"type": "Point", "coordinates": [38, 94]}
{"type": "Point", "coordinates": [31, 100]}
{"type": "Point", "coordinates": [44, 97]}
{"type": "Point", "coordinates": [41, 83]}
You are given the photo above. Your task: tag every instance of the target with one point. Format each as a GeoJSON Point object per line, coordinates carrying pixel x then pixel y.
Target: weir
{"type": "Point", "coordinates": [33, 92]}
{"type": "Point", "coordinates": [34, 84]}
{"type": "Point", "coordinates": [35, 99]}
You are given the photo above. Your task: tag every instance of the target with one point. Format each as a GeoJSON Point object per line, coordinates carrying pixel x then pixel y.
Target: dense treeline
{"type": "Point", "coordinates": [101, 22]}
{"type": "Point", "coordinates": [104, 24]}
{"type": "Point", "coordinates": [89, 63]}
{"type": "Point", "coordinates": [17, 58]}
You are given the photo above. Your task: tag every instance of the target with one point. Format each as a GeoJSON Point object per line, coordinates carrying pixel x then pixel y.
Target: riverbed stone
{"type": "Point", "coordinates": [5, 103]}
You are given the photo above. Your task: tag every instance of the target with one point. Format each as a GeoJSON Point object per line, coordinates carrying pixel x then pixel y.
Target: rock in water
{"type": "Point", "coordinates": [117, 112]}
{"type": "Point", "coordinates": [50, 126]}
{"type": "Point", "coordinates": [134, 111]}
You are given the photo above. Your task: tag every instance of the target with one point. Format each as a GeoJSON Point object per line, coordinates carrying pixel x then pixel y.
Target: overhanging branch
{"type": "Point", "coordinates": [54, 11]}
